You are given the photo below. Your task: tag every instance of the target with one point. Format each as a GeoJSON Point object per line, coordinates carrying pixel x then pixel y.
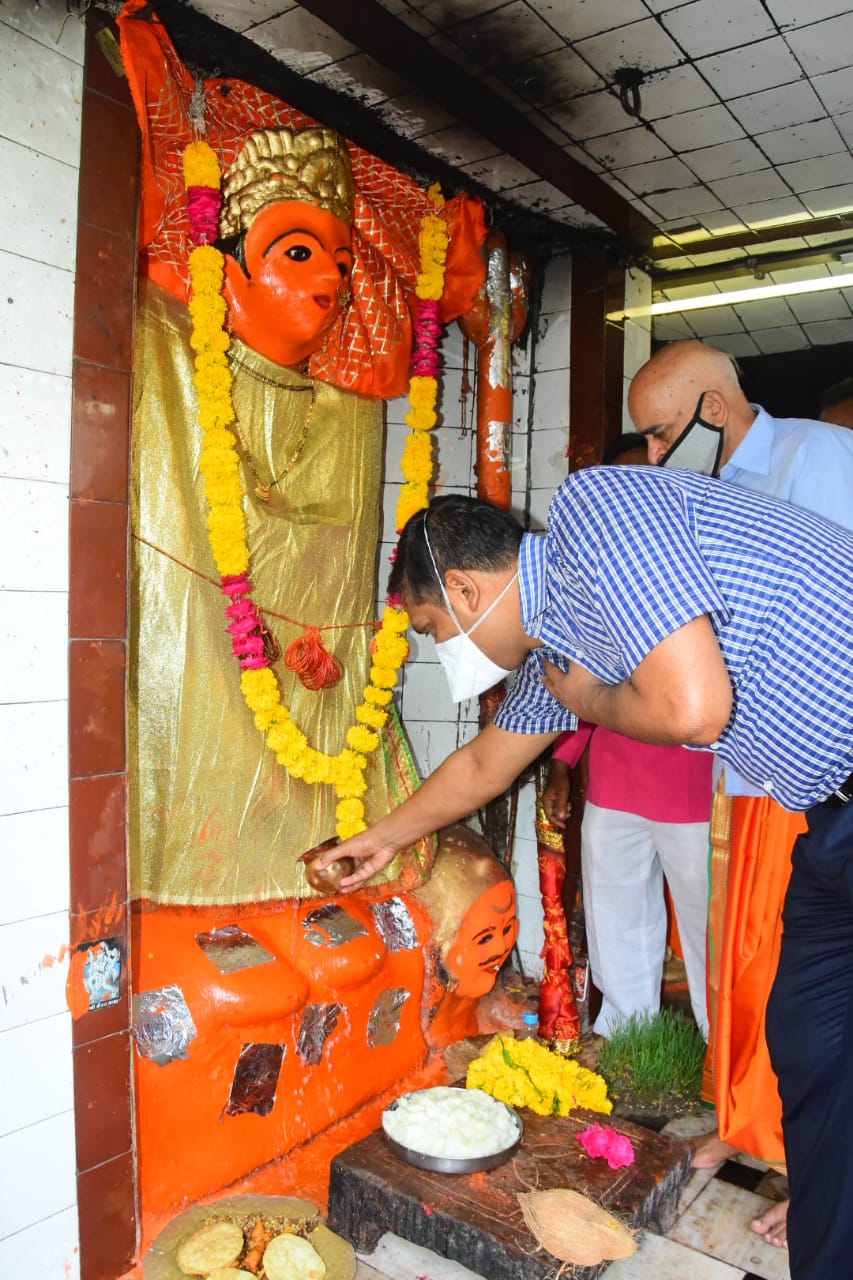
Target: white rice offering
{"type": "Point", "coordinates": [456, 1124]}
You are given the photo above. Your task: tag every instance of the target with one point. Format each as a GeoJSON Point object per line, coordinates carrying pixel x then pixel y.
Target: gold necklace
{"type": "Point", "coordinates": [261, 490]}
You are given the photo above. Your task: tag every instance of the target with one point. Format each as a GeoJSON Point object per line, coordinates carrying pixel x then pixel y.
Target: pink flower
{"type": "Point", "coordinates": [600, 1140]}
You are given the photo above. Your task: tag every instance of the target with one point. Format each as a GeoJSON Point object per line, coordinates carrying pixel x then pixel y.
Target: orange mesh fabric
{"type": "Point", "coordinates": [368, 350]}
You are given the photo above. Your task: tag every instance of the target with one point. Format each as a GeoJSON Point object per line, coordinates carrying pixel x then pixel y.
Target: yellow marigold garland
{"type": "Point", "coordinates": [219, 464]}
{"type": "Point", "coordinates": [524, 1073]}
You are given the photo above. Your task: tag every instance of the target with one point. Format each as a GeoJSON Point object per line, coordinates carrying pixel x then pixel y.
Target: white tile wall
{"type": "Point", "coordinates": [41, 78]}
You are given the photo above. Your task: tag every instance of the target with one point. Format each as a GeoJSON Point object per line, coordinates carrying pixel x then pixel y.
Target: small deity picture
{"type": "Point", "coordinates": [102, 973]}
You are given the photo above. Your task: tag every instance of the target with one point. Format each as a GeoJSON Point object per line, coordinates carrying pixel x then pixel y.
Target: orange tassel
{"type": "Point", "coordinates": [309, 659]}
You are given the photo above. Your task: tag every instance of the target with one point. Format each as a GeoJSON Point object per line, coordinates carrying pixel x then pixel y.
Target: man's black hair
{"type": "Point", "coordinates": [464, 533]}
{"type": "Point", "coordinates": [833, 395]}
{"type": "Point", "coordinates": [630, 440]}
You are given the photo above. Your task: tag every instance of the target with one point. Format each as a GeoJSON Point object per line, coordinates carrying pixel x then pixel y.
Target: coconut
{"type": "Point", "coordinates": [574, 1228]}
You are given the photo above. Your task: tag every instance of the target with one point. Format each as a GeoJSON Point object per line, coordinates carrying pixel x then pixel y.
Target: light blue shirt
{"type": "Point", "coordinates": [633, 553]}
{"type": "Point", "coordinates": [803, 461]}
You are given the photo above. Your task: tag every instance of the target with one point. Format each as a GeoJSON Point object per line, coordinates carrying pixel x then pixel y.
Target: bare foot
{"type": "Point", "coordinates": [773, 1225]}
{"type": "Point", "coordinates": [709, 1150]}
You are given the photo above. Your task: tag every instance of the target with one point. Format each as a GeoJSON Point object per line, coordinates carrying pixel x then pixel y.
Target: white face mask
{"type": "Point", "coordinates": [699, 446]}
{"type": "Point", "coordinates": [469, 671]}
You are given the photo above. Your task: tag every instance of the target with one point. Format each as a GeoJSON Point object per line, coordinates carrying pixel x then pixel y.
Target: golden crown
{"type": "Point", "coordinates": [287, 164]}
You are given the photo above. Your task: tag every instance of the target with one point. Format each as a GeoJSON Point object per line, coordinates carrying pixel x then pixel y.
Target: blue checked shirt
{"type": "Point", "coordinates": [633, 553]}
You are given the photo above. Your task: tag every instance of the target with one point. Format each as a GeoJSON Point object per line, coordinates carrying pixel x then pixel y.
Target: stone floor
{"type": "Point", "coordinates": [710, 1240]}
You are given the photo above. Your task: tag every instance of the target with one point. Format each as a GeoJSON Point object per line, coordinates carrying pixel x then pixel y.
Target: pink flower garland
{"type": "Point", "coordinates": [246, 642]}
{"type": "Point", "coordinates": [424, 361]}
{"type": "Point", "coordinates": [203, 205]}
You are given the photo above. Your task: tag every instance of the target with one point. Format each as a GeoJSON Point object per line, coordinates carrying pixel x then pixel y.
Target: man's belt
{"type": "Point", "coordinates": [841, 795]}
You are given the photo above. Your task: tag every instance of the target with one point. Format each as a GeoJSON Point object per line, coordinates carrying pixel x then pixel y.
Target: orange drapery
{"type": "Point", "coordinates": [745, 948]}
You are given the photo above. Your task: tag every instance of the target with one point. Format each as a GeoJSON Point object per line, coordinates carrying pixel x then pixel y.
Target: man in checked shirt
{"type": "Point", "coordinates": [672, 607]}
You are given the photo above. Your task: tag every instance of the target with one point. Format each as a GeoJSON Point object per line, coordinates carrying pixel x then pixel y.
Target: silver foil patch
{"type": "Point", "coordinates": [332, 926]}
{"type": "Point", "coordinates": [316, 1025]}
{"type": "Point", "coordinates": [162, 1024]}
{"type": "Point", "coordinates": [231, 948]}
{"type": "Point", "coordinates": [384, 1021]}
{"type": "Point", "coordinates": [394, 924]}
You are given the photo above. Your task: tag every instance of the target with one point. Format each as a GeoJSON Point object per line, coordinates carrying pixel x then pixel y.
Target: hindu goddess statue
{"type": "Point", "coordinates": [255, 996]}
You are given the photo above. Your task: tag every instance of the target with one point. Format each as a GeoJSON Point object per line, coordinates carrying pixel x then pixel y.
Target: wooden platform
{"type": "Point", "coordinates": [475, 1218]}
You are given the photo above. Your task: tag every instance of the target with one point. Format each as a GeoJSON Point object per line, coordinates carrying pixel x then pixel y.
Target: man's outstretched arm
{"type": "Point", "coordinates": [468, 779]}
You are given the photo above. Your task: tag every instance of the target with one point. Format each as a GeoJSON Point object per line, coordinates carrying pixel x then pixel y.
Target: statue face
{"type": "Point", "coordinates": [298, 265]}
{"type": "Point", "coordinates": [485, 938]}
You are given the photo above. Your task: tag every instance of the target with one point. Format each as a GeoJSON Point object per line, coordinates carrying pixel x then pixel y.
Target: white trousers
{"type": "Point", "coordinates": [623, 861]}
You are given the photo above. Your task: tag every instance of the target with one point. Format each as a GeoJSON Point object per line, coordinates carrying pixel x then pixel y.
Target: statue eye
{"type": "Point", "coordinates": [298, 253]}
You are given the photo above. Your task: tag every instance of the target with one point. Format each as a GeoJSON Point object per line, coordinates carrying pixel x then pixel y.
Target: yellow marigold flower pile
{"type": "Point", "coordinates": [525, 1073]}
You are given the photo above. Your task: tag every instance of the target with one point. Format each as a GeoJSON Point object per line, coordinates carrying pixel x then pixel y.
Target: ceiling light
{"type": "Point", "coordinates": [735, 296]}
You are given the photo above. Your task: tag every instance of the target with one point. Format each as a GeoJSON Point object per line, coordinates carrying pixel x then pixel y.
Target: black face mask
{"type": "Point", "coordinates": [699, 446]}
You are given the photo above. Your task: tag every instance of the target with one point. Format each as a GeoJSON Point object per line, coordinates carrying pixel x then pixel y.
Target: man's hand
{"type": "Point", "coordinates": [555, 793]}
{"type": "Point", "coordinates": [368, 850]}
{"type": "Point", "coordinates": [571, 687]}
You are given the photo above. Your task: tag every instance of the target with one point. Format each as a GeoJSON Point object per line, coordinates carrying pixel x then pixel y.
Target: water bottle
{"type": "Point", "coordinates": [530, 1027]}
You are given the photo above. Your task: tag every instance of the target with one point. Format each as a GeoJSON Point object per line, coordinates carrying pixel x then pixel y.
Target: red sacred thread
{"type": "Point", "coordinates": [311, 661]}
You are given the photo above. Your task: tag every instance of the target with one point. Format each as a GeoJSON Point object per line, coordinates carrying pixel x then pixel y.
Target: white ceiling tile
{"type": "Point", "coordinates": [574, 216]}
{"type": "Point", "coordinates": [458, 145]}
{"type": "Point", "coordinates": [844, 125]}
{"type": "Point", "coordinates": [669, 92]}
{"type": "Point", "coordinates": [765, 184]}
{"type": "Point", "coordinates": [726, 160]}
{"type": "Point", "coordinates": [822, 171]}
{"type": "Point", "coordinates": [801, 142]}
{"type": "Point", "coordinates": [501, 173]}
{"type": "Point", "coordinates": [691, 202]}
{"type": "Point", "coordinates": [737, 344]}
{"type": "Point", "coordinates": [641, 44]}
{"type": "Point", "coordinates": [414, 114]}
{"type": "Point", "coordinates": [670, 328]}
{"type": "Point", "coordinates": [824, 46]}
{"type": "Point", "coordinates": [791, 275]}
{"type": "Point", "coordinates": [582, 156]}
{"type": "Point", "coordinates": [703, 128]}
{"type": "Point", "coordinates": [831, 200]}
{"type": "Point", "coordinates": [709, 26]}
{"type": "Point", "coordinates": [811, 307]}
{"type": "Point", "coordinates": [504, 37]}
{"type": "Point", "coordinates": [657, 175]}
{"type": "Point", "coordinates": [590, 116]}
{"type": "Point", "coordinates": [825, 332]}
{"type": "Point", "coordinates": [763, 213]}
{"type": "Point", "coordinates": [764, 313]}
{"type": "Point", "coordinates": [835, 90]}
{"type": "Point", "coordinates": [686, 291]}
{"type": "Point", "coordinates": [709, 321]}
{"type": "Point", "coordinates": [716, 256]}
{"type": "Point", "coordinates": [443, 15]}
{"type": "Point", "coordinates": [540, 196]}
{"type": "Point", "coordinates": [761, 65]}
{"type": "Point", "coordinates": [301, 41]}
{"type": "Point", "coordinates": [576, 19]}
{"type": "Point", "coordinates": [241, 15]}
{"type": "Point", "coordinates": [721, 223]}
{"type": "Point", "coordinates": [627, 147]}
{"type": "Point", "coordinates": [777, 108]}
{"type": "Point", "coordinates": [787, 338]}
{"type": "Point", "coordinates": [554, 77]}
{"type": "Point", "coordinates": [363, 78]}
{"type": "Point", "coordinates": [660, 6]}
{"type": "Point", "coordinates": [793, 13]}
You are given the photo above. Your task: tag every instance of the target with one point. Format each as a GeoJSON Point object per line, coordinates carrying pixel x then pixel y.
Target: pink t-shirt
{"type": "Point", "coordinates": [660, 782]}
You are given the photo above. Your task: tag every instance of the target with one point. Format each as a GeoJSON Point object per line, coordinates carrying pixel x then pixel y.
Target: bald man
{"type": "Point", "coordinates": [688, 403]}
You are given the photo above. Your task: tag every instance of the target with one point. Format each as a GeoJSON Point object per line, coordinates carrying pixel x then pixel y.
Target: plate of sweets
{"type": "Point", "coordinates": [450, 1130]}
